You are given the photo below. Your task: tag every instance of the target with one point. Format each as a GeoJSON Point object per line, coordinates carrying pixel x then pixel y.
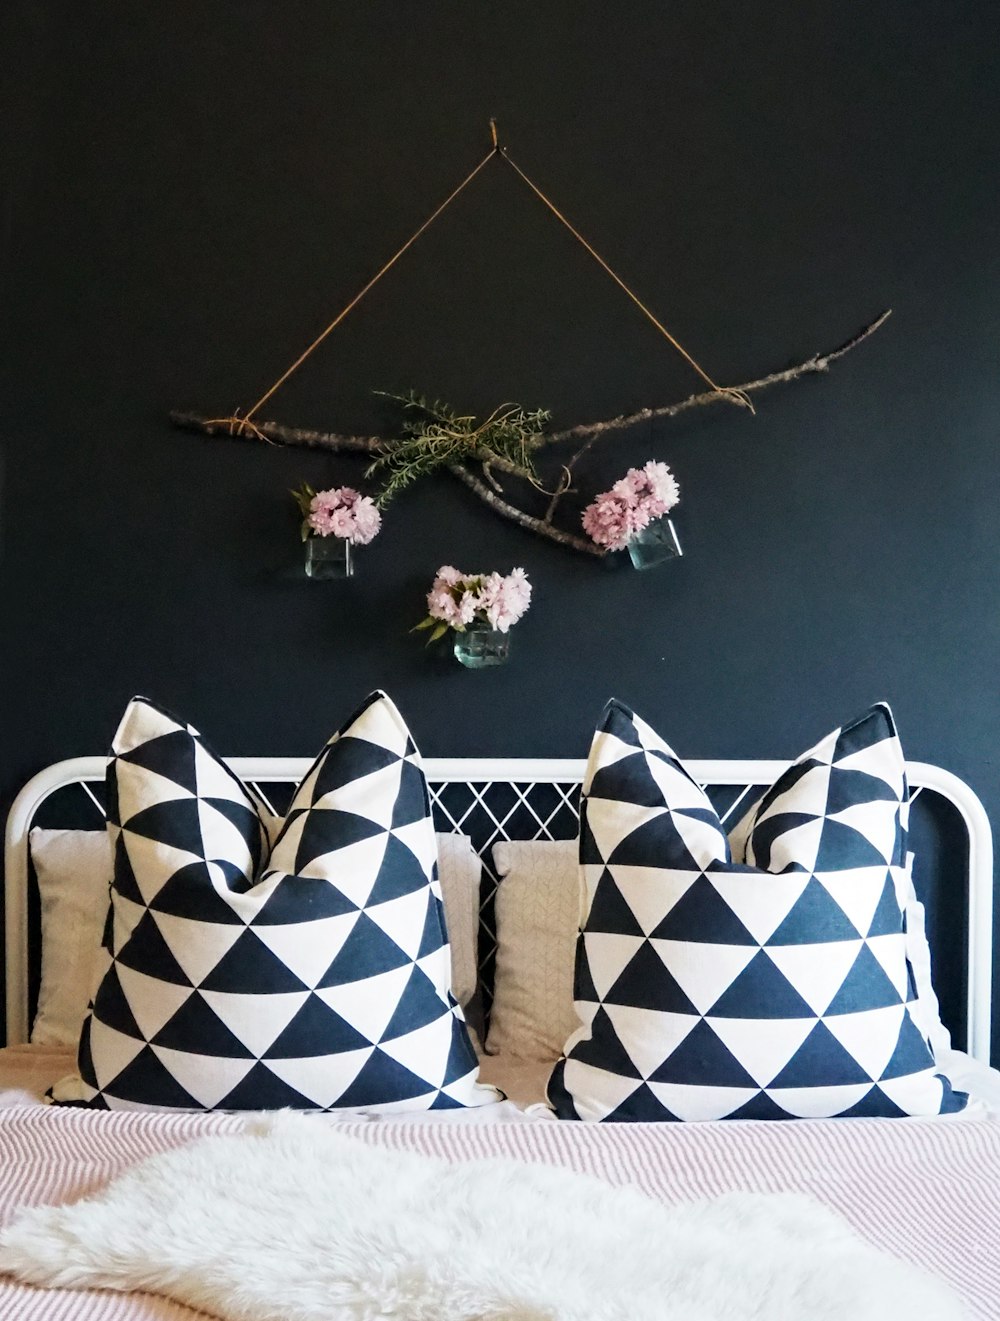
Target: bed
{"type": "Point", "coordinates": [924, 1190]}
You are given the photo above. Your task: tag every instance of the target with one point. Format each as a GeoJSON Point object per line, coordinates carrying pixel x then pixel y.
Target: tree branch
{"type": "Point", "coordinates": [588, 432]}
{"type": "Point", "coordinates": [819, 362]}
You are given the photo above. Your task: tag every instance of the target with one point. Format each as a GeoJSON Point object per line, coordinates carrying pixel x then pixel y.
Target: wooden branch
{"type": "Point", "coordinates": [281, 435]}
{"type": "Point", "coordinates": [589, 432]}
{"type": "Point", "coordinates": [819, 362]}
{"type": "Point", "coordinates": [540, 526]}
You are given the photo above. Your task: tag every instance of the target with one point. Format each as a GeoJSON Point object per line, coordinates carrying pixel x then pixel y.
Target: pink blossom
{"type": "Point", "coordinates": [642, 495]}
{"type": "Point", "coordinates": [343, 512]}
{"type": "Point", "coordinates": [460, 599]}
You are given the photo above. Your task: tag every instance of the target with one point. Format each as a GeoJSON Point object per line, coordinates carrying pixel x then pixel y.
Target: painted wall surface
{"type": "Point", "coordinates": [192, 190]}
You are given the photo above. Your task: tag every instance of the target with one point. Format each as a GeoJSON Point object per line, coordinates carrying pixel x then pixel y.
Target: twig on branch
{"type": "Point", "coordinates": [538, 525]}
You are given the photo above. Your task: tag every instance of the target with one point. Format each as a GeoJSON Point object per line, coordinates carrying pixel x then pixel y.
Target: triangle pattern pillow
{"type": "Point", "coordinates": [771, 987]}
{"type": "Point", "coordinates": [314, 974]}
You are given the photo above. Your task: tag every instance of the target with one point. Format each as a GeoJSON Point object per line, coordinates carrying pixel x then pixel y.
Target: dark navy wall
{"type": "Point", "coordinates": [192, 190]}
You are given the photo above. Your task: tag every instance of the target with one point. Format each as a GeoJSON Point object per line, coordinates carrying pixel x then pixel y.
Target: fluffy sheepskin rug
{"type": "Point", "coordinates": [292, 1221]}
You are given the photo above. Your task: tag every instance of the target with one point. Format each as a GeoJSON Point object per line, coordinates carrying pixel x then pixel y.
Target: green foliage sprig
{"type": "Point", "coordinates": [434, 436]}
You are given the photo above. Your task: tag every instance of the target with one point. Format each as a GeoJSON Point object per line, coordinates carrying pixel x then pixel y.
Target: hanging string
{"type": "Point", "coordinates": [240, 422]}
{"type": "Point", "coordinates": [738, 396]}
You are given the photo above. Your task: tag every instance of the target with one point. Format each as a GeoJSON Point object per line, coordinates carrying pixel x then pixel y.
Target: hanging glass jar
{"type": "Point", "coordinates": [329, 557]}
{"type": "Point", "coordinates": [478, 646]}
{"type": "Point", "coordinates": [655, 543]}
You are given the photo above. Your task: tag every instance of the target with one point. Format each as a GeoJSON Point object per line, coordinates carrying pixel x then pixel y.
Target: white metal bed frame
{"type": "Point", "coordinates": [515, 779]}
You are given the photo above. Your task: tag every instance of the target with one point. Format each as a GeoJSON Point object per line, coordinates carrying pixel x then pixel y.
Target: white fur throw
{"type": "Point", "coordinates": [292, 1221]}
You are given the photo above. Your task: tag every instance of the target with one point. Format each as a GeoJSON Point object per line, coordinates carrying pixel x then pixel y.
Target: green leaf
{"type": "Point", "coordinates": [429, 622]}
{"type": "Point", "coordinates": [439, 632]}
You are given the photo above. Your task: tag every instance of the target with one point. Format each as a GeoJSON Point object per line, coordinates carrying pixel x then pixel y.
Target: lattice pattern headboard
{"type": "Point", "coordinates": [491, 800]}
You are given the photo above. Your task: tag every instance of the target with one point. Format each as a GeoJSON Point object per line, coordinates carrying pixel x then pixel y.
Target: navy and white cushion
{"type": "Point", "coordinates": [772, 987]}
{"type": "Point", "coordinates": [316, 976]}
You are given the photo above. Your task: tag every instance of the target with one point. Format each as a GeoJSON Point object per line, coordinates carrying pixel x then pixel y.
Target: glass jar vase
{"type": "Point", "coordinates": [655, 543]}
{"type": "Point", "coordinates": [479, 646]}
{"type": "Point", "coordinates": [329, 557]}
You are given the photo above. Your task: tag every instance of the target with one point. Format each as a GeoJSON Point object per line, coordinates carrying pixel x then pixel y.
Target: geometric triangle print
{"type": "Point", "coordinates": [610, 911]}
{"type": "Point", "coordinates": [870, 1036]}
{"type": "Point", "coordinates": [208, 1078]}
{"type": "Point", "coordinates": [761, 992]}
{"type": "Point", "coordinates": [762, 1046]}
{"type": "Point", "coordinates": [652, 1036]}
{"type": "Point", "coordinates": [418, 1006]}
{"type": "Point", "coordinates": [251, 969]}
{"type": "Point", "coordinates": [887, 918]}
{"type": "Point", "coordinates": [192, 892]}
{"type": "Point", "coordinates": [911, 1054]}
{"type": "Point", "coordinates": [606, 956]}
{"type": "Point", "coordinates": [703, 1060]}
{"type": "Point", "coordinates": [646, 984]}
{"type": "Point", "coordinates": [196, 1027]}
{"type": "Point", "coordinates": [366, 952]}
{"type": "Point", "coordinates": [701, 914]}
{"type": "Point", "coordinates": [865, 987]}
{"type": "Point", "coordinates": [461, 1056]}
{"type": "Point", "coordinates": [816, 971]}
{"type": "Point", "coordinates": [315, 1030]}
{"type": "Point", "coordinates": [322, 832]}
{"type": "Point", "coordinates": [874, 1105]}
{"type": "Point", "coordinates": [760, 1106]}
{"type": "Point", "coordinates": [283, 898]}
{"type": "Point", "coordinates": [858, 893]}
{"type": "Point", "coordinates": [761, 901]}
{"type": "Point", "coordinates": [125, 882]}
{"type": "Point", "coordinates": [171, 755]}
{"type": "Point", "coordinates": [254, 1023]}
{"type": "Point", "coordinates": [642, 1106]}
{"type": "Point", "coordinates": [145, 1081]}
{"type": "Point", "coordinates": [111, 1006]}
{"type": "Point", "coordinates": [197, 946]}
{"type": "Point", "coordinates": [151, 1001]}
{"type": "Point", "coordinates": [381, 1077]}
{"type": "Point", "coordinates": [821, 1061]}
{"type": "Point", "coordinates": [819, 1102]}
{"type": "Point", "coordinates": [890, 951]}
{"type": "Point", "coordinates": [321, 1078]}
{"type": "Point", "coordinates": [434, 937]}
{"type": "Point", "coordinates": [147, 952]}
{"type": "Point", "coordinates": [403, 919]}
{"type": "Point", "coordinates": [411, 797]}
{"type": "Point", "coordinates": [175, 824]}
{"type": "Point", "coordinates": [421, 1051]}
{"type": "Point", "coordinates": [704, 972]}
{"type": "Point", "coordinates": [842, 847]}
{"type": "Point", "coordinates": [815, 917]}
{"type": "Point", "coordinates": [348, 761]}
{"type": "Point", "coordinates": [368, 1005]}
{"type": "Point", "coordinates": [399, 874]}
{"type": "Point", "coordinates": [696, 1102]}
{"type": "Point", "coordinates": [657, 842]}
{"type": "Point", "coordinates": [263, 1090]}
{"type": "Point", "coordinates": [307, 948]}
{"type": "Point", "coordinates": [603, 1050]}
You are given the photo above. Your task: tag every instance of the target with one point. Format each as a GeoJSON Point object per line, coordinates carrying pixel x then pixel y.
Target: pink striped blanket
{"type": "Point", "coordinates": [927, 1190]}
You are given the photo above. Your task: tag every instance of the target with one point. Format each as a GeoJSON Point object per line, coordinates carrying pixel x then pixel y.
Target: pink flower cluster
{"type": "Point", "coordinates": [641, 496]}
{"type": "Point", "coordinates": [459, 599]}
{"type": "Point", "coordinates": [343, 512]}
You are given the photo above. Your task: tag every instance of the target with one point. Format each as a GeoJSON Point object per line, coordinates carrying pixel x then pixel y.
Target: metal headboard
{"type": "Point", "coordinates": [494, 799]}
